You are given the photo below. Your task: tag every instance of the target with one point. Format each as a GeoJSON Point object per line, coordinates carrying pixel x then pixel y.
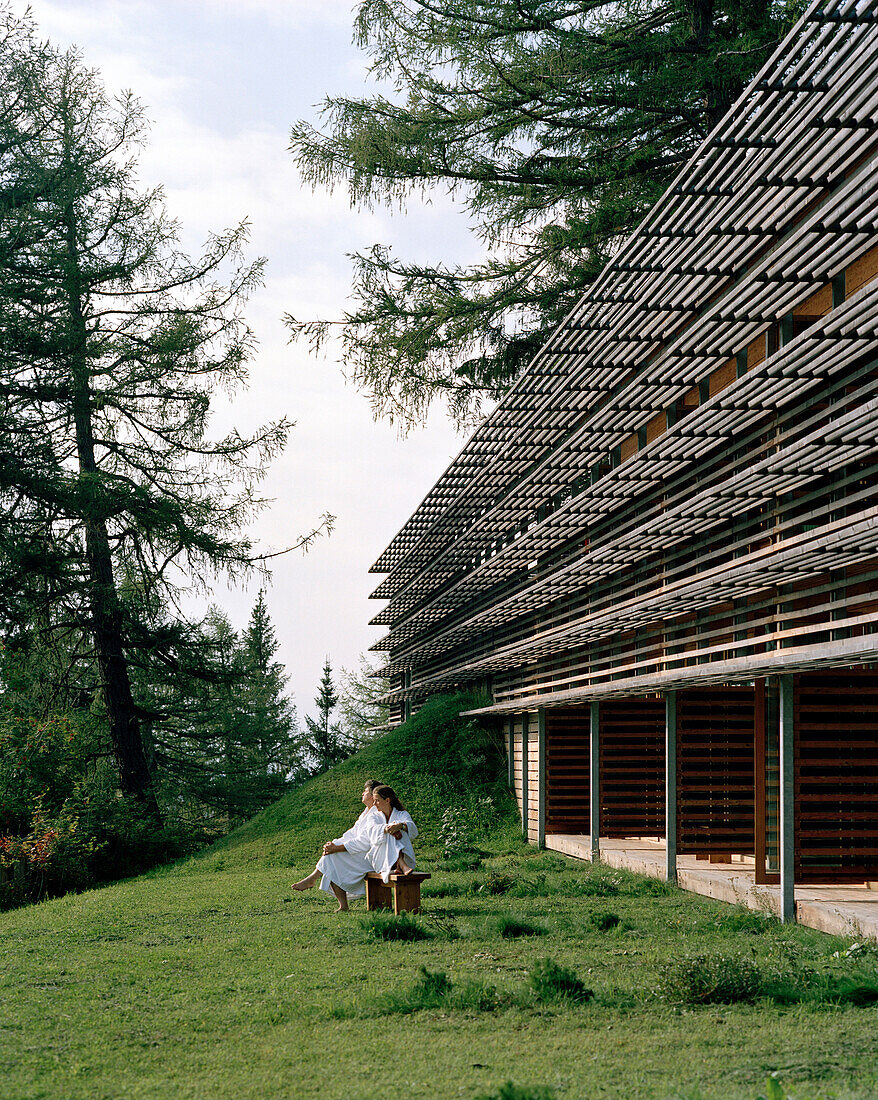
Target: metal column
{"type": "Point", "coordinates": [671, 786]}
{"type": "Point", "coordinates": [541, 778]}
{"type": "Point", "coordinates": [787, 800]}
{"type": "Point", "coordinates": [525, 724]}
{"type": "Point", "coordinates": [594, 781]}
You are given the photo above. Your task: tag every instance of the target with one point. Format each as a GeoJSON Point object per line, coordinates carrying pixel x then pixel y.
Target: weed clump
{"type": "Point", "coordinates": [514, 1092]}
{"type": "Point", "coordinates": [510, 928]}
{"type": "Point", "coordinates": [434, 989]}
{"type": "Point", "coordinates": [497, 883]}
{"type": "Point", "coordinates": [551, 982]}
{"type": "Point", "coordinates": [466, 862]}
{"type": "Point", "coordinates": [606, 921]}
{"type": "Point", "coordinates": [710, 979]}
{"type": "Point", "coordinates": [820, 989]}
{"type": "Point", "coordinates": [750, 921]}
{"type": "Point", "coordinates": [597, 885]}
{"type": "Point", "coordinates": [392, 926]}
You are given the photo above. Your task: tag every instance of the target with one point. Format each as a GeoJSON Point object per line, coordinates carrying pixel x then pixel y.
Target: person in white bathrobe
{"type": "Point", "coordinates": [391, 850]}
{"type": "Point", "coordinates": [345, 862]}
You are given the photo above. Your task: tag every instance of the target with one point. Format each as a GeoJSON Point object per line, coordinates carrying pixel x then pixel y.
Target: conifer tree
{"type": "Point", "coordinates": [325, 741]}
{"type": "Point", "coordinates": [114, 343]}
{"type": "Point", "coordinates": [555, 124]}
{"type": "Point", "coordinates": [268, 712]}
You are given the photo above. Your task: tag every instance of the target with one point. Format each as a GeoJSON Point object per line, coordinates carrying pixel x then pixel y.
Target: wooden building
{"type": "Point", "coordinates": [659, 554]}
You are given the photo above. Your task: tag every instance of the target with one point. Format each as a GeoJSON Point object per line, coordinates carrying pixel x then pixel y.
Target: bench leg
{"type": "Point", "coordinates": [378, 896]}
{"type": "Point", "coordinates": [406, 896]}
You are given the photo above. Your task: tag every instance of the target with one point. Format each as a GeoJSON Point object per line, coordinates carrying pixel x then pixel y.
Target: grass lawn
{"type": "Point", "coordinates": [211, 979]}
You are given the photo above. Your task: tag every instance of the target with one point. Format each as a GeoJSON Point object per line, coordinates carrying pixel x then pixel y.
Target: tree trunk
{"type": "Point", "coordinates": [106, 614]}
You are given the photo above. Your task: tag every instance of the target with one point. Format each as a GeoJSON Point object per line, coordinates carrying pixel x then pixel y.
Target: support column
{"type": "Point", "coordinates": [787, 800]}
{"type": "Point", "coordinates": [510, 751]}
{"type": "Point", "coordinates": [541, 777]}
{"type": "Point", "coordinates": [671, 786]}
{"type": "Point", "coordinates": [594, 781]}
{"type": "Point", "coordinates": [525, 738]}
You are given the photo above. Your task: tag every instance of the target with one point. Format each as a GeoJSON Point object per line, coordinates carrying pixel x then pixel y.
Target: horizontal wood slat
{"type": "Point", "coordinates": [836, 776]}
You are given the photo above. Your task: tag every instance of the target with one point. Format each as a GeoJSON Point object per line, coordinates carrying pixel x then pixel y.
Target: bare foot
{"type": "Point", "coordinates": [403, 867]}
{"type": "Point", "coordinates": [341, 897]}
{"type": "Point", "coordinates": [307, 883]}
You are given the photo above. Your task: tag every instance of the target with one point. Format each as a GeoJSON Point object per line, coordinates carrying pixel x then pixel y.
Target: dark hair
{"type": "Point", "coordinates": [383, 791]}
{"type": "Point", "coordinates": [372, 784]}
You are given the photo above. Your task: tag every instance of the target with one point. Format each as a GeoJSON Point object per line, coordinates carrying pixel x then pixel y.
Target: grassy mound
{"type": "Point", "coordinates": [434, 760]}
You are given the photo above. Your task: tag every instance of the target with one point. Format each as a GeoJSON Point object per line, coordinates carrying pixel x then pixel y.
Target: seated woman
{"type": "Point", "coordinates": [345, 862]}
{"type": "Point", "coordinates": [391, 851]}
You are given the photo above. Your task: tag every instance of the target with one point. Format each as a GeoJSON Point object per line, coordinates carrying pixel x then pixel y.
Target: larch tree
{"type": "Point", "coordinates": [556, 124]}
{"type": "Point", "coordinates": [114, 496]}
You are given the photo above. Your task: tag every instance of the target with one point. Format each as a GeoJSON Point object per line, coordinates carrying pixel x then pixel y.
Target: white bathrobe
{"type": "Point", "coordinates": [348, 869]}
{"type": "Point", "coordinates": [385, 848]}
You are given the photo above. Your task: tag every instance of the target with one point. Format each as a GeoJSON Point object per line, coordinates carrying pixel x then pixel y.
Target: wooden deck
{"type": "Point", "coordinates": [840, 910]}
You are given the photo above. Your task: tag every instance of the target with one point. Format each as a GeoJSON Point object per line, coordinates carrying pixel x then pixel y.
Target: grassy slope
{"type": "Point", "coordinates": [201, 980]}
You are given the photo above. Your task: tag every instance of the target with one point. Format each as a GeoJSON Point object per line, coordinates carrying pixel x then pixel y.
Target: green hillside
{"type": "Point", "coordinates": [434, 761]}
{"type": "Point", "coordinates": [528, 976]}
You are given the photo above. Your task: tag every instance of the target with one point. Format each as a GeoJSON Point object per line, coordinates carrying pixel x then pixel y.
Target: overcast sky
{"type": "Point", "coordinates": [223, 82]}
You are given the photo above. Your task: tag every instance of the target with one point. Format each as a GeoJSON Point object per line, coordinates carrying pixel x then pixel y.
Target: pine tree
{"type": "Point", "coordinates": [269, 713]}
{"type": "Point", "coordinates": [324, 739]}
{"type": "Point", "coordinates": [556, 125]}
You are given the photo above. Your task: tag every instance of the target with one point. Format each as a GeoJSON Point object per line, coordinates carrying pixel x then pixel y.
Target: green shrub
{"type": "Point", "coordinates": [497, 883]}
{"type": "Point", "coordinates": [596, 885]}
{"type": "Point", "coordinates": [551, 982]}
{"type": "Point", "coordinates": [605, 921]}
{"type": "Point", "coordinates": [514, 1092]}
{"type": "Point", "coordinates": [710, 979]}
{"type": "Point", "coordinates": [442, 925]}
{"type": "Point", "coordinates": [510, 928]}
{"type": "Point", "coordinates": [817, 989]}
{"type": "Point", "coordinates": [391, 926]}
{"type": "Point", "coordinates": [434, 989]}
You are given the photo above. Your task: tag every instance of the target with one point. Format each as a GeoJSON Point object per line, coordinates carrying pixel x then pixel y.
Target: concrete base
{"type": "Point", "coordinates": [840, 910]}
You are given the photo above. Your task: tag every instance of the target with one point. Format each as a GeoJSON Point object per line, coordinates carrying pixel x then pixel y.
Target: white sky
{"type": "Point", "coordinates": [223, 81]}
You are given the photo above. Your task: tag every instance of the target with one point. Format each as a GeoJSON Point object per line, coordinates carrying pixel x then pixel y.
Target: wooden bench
{"type": "Point", "coordinates": [402, 894]}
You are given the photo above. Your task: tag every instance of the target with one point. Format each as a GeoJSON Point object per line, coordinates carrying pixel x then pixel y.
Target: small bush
{"type": "Point", "coordinates": [551, 982]}
{"type": "Point", "coordinates": [596, 886]}
{"type": "Point", "coordinates": [497, 883]}
{"type": "Point", "coordinates": [510, 928]}
{"type": "Point", "coordinates": [434, 989]}
{"type": "Point", "coordinates": [818, 989]}
{"type": "Point", "coordinates": [710, 979]}
{"type": "Point", "coordinates": [390, 926]}
{"type": "Point", "coordinates": [456, 833]}
{"type": "Point", "coordinates": [536, 887]}
{"type": "Point", "coordinates": [442, 925]}
{"type": "Point", "coordinates": [514, 1092]}
{"type": "Point", "coordinates": [605, 921]}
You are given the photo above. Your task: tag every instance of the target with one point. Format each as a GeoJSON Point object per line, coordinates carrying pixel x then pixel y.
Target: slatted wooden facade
{"type": "Point", "coordinates": [567, 749]}
{"type": "Point", "coordinates": [680, 496]}
{"type": "Point", "coordinates": [836, 777]}
{"type": "Point", "coordinates": [632, 767]}
{"type": "Point", "coordinates": [715, 760]}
